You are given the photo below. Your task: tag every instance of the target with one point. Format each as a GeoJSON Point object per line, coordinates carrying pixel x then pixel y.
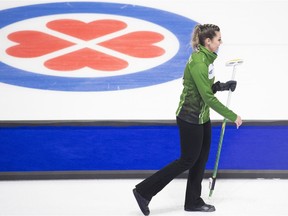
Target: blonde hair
{"type": "Point", "coordinates": [201, 32]}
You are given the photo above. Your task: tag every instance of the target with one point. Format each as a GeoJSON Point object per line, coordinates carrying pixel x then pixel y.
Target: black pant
{"type": "Point", "coordinates": [195, 147]}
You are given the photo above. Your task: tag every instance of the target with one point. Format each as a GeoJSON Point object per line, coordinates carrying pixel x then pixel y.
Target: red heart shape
{"type": "Point", "coordinates": [138, 44]}
{"type": "Point", "coordinates": [86, 31]}
{"type": "Point", "coordinates": [34, 44]}
{"type": "Point", "coordinates": [86, 58]}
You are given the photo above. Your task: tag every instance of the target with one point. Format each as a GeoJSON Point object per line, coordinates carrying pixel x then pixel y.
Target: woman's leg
{"type": "Point", "coordinates": [191, 138]}
{"type": "Point", "coordinates": [196, 173]}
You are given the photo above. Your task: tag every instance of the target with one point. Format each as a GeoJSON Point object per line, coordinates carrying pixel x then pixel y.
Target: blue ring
{"type": "Point", "coordinates": [180, 26]}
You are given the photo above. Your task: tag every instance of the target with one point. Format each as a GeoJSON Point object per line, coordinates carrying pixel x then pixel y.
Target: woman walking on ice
{"type": "Point", "coordinates": [193, 120]}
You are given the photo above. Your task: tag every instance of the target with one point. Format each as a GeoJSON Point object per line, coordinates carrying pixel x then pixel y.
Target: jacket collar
{"type": "Point", "coordinates": [211, 56]}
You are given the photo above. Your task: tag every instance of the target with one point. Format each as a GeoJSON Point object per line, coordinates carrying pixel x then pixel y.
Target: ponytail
{"type": "Point", "coordinates": [201, 32]}
{"type": "Point", "coordinates": [195, 37]}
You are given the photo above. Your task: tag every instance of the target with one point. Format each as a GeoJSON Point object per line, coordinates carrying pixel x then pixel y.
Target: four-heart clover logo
{"type": "Point", "coordinates": [32, 44]}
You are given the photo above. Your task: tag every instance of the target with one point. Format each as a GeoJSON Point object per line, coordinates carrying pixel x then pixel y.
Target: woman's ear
{"type": "Point", "coordinates": [207, 41]}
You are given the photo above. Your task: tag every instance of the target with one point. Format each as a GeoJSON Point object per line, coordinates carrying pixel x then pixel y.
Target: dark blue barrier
{"type": "Point", "coordinates": [78, 148]}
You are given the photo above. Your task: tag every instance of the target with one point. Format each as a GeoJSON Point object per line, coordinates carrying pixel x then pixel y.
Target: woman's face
{"type": "Point", "coordinates": [214, 44]}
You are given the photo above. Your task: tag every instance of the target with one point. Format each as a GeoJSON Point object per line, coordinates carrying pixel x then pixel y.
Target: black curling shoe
{"type": "Point", "coordinates": [203, 208]}
{"type": "Point", "coordinates": [142, 202]}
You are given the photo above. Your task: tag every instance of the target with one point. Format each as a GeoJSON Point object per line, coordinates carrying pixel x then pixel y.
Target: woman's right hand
{"type": "Point", "coordinates": [238, 122]}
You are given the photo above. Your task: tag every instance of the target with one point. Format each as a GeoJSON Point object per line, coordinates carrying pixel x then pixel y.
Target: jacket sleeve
{"type": "Point", "coordinates": [203, 84]}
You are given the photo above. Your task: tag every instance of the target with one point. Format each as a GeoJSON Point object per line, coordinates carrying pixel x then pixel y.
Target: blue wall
{"type": "Point", "coordinates": [78, 148]}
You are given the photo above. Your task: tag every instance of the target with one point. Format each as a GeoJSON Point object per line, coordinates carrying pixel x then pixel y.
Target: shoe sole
{"type": "Point", "coordinates": [137, 197]}
{"type": "Point", "coordinates": [212, 209]}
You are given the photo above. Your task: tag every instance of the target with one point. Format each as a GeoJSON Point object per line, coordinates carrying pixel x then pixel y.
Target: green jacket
{"type": "Point", "coordinates": [197, 96]}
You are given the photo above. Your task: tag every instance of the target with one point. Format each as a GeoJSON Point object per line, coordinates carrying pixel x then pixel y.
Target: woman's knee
{"type": "Point", "coordinates": [187, 163]}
